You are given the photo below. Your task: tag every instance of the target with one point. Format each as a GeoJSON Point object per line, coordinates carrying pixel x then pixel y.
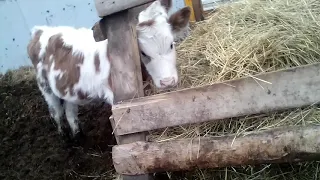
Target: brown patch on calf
{"type": "Point", "coordinates": [180, 19]}
{"type": "Point", "coordinates": [97, 62]}
{"type": "Point", "coordinates": [43, 82]}
{"type": "Point", "coordinates": [34, 47]}
{"type": "Point", "coordinates": [64, 61]}
{"type": "Point", "coordinates": [146, 23]}
{"type": "Point", "coordinates": [82, 95]}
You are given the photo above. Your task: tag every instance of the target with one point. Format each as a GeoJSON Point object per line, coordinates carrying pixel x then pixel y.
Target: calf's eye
{"type": "Point", "coordinates": [143, 53]}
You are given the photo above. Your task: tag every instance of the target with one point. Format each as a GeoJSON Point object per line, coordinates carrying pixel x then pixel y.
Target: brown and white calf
{"type": "Point", "coordinates": [73, 67]}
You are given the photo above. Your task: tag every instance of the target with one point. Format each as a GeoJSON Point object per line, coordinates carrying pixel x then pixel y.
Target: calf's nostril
{"type": "Point", "coordinates": [167, 82]}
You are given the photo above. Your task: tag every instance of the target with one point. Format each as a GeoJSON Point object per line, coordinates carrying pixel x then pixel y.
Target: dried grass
{"type": "Point", "coordinates": [244, 39]}
{"type": "Point", "coordinates": [248, 38]}
{"type": "Point", "coordinates": [240, 40]}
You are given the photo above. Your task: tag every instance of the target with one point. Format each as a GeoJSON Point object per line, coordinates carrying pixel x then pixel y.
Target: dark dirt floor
{"type": "Point", "coordinates": [31, 148]}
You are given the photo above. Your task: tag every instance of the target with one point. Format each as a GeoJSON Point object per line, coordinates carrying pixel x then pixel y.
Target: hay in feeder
{"type": "Point", "coordinates": [240, 40]}
{"type": "Point", "coordinates": [248, 38]}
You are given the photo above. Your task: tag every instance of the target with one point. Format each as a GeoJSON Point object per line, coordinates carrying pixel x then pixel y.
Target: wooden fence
{"type": "Point", "coordinates": [134, 114]}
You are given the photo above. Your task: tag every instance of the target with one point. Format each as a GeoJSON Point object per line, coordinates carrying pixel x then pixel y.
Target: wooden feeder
{"type": "Point", "coordinates": [134, 158]}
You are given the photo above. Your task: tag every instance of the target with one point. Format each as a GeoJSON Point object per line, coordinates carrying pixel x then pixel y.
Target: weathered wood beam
{"type": "Point", "coordinates": [126, 78]}
{"type": "Point", "coordinates": [196, 10]}
{"type": "Point", "coordinates": [108, 7]}
{"type": "Point", "coordinates": [290, 88]}
{"type": "Point", "coordinates": [124, 55]}
{"type": "Point", "coordinates": [274, 146]}
{"type": "Point", "coordinates": [99, 30]}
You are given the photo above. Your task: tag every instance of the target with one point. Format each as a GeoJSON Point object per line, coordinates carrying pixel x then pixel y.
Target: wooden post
{"type": "Point", "coordinates": [196, 10]}
{"type": "Point", "coordinates": [288, 144]}
{"type": "Point", "coordinates": [124, 56]}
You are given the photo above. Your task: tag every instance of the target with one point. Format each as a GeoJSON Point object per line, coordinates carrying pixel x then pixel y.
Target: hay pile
{"type": "Point", "coordinates": [250, 37]}
{"type": "Point", "coordinates": [243, 39]}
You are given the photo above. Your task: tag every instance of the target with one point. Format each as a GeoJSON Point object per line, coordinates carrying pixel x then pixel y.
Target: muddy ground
{"type": "Point", "coordinates": [31, 148]}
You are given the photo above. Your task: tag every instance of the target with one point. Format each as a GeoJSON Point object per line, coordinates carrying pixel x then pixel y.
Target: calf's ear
{"type": "Point", "coordinates": [97, 32]}
{"type": "Point", "coordinates": [180, 19]}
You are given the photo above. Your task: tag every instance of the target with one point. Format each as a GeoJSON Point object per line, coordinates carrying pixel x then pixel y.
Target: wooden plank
{"type": "Point", "coordinates": [292, 144]}
{"type": "Point", "coordinates": [290, 88]}
{"type": "Point", "coordinates": [98, 27]}
{"type": "Point", "coordinates": [126, 77]}
{"type": "Point", "coordinates": [192, 15]}
{"type": "Point", "coordinates": [108, 7]}
{"type": "Point", "coordinates": [198, 10]}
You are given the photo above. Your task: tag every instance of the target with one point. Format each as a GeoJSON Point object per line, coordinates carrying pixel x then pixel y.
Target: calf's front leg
{"type": "Point", "coordinates": [71, 111]}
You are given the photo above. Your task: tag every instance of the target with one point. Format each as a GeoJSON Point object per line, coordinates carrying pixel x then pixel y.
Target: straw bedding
{"type": "Point", "coordinates": [240, 40]}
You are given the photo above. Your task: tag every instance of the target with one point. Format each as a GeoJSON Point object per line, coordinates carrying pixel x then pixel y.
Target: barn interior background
{"type": "Point", "coordinates": [30, 148]}
{"type": "Point", "coordinates": [18, 16]}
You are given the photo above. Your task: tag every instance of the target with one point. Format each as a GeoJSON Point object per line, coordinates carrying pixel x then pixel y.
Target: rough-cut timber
{"type": "Point", "coordinates": [290, 88]}
{"type": "Point", "coordinates": [107, 7]}
{"type": "Point", "coordinates": [275, 146]}
{"type": "Point", "coordinates": [198, 10]}
{"type": "Point", "coordinates": [126, 77]}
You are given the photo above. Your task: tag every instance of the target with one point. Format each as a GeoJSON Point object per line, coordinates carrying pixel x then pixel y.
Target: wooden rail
{"type": "Point", "coordinates": [108, 7]}
{"type": "Point", "coordinates": [290, 88]}
{"type": "Point", "coordinates": [274, 146]}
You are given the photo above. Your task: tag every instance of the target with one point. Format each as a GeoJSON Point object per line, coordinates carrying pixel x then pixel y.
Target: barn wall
{"type": "Point", "coordinates": [18, 16]}
{"type": "Point", "coordinates": [211, 4]}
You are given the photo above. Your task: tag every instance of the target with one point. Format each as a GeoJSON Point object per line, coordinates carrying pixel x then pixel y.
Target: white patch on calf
{"type": "Point", "coordinates": [156, 41]}
{"type": "Point", "coordinates": [69, 58]}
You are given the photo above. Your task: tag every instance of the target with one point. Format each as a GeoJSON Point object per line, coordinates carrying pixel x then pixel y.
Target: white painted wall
{"type": "Point", "coordinates": [212, 4]}
{"type": "Point", "coordinates": [17, 17]}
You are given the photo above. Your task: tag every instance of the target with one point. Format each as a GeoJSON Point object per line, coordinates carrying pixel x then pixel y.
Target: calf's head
{"type": "Point", "coordinates": [156, 36]}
